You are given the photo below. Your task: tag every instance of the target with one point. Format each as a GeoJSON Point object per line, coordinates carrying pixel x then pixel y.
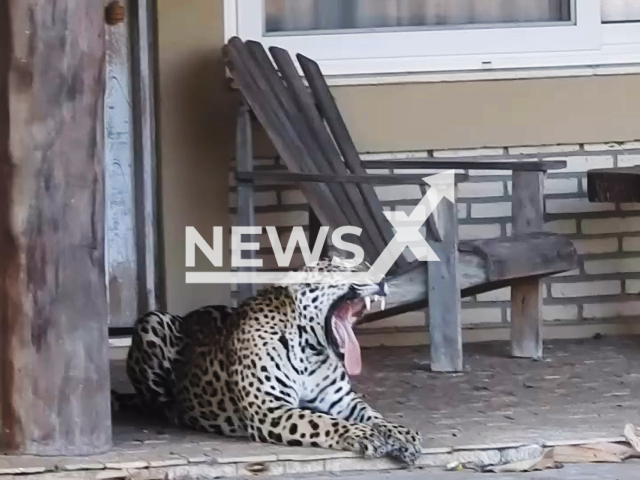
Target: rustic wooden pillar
{"type": "Point", "coordinates": [54, 375]}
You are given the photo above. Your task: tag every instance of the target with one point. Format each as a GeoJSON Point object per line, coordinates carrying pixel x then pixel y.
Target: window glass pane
{"type": "Point", "coordinates": [313, 15]}
{"type": "Point", "coordinates": [620, 11]}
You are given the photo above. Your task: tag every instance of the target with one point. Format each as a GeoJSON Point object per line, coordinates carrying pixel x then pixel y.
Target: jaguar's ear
{"type": "Point", "coordinates": [333, 252]}
{"type": "Point", "coordinates": [293, 289]}
{"type": "Point", "coordinates": [340, 260]}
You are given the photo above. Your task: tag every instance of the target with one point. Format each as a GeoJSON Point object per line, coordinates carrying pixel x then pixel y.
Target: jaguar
{"type": "Point", "coordinates": [275, 369]}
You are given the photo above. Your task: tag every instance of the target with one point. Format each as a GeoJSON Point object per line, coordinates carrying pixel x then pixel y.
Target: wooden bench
{"type": "Point", "coordinates": [312, 139]}
{"type": "Point", "coordinates": [614, 185]}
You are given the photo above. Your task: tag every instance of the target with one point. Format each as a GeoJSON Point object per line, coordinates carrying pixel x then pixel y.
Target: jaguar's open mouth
{"type": "Point", "coordinates": [343, 316]}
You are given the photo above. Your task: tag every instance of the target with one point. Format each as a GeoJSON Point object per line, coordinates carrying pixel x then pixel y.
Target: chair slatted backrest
{"type": "Point", "coordinates": [306, 128]}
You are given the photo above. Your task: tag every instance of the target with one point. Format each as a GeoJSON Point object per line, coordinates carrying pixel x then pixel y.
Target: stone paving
{"type": "Point", "coordinates": [626, 471]}
{"type": "Point", "coordinates": [499, 409]}
{"type": "Point", "coordinates": [582, 389]}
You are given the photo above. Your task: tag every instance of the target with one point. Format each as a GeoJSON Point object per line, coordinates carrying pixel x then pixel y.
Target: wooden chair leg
{"type": "Point", "coordinates": [445, 327]}
{"type": "Point", "coordinates": [526, 319]}
{"type": "Point", "coordinates": [526, 295]}
{"type": "Point", "coordinates": [246, 212]}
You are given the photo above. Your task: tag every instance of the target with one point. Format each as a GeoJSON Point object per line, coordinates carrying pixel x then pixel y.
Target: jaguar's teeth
{"type": "Point", "coordinates": [376, 298]}
{"type": "Point", "coordinates": [383, 303]}
{"type": "Point", "coordinates": [367, 302]}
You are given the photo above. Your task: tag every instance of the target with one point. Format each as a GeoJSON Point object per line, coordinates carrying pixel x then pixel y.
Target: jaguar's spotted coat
{"type": "Point", "coordinates": [274, 370]}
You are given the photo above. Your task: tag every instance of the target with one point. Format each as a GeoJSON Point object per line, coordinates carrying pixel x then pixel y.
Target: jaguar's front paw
{"type": "Point", "coordinates": [402, 443]}
{"type": "Point", "coordinates": [365, 441]}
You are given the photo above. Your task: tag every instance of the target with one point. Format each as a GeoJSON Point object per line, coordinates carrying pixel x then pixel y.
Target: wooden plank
{"type": "Point", "coordinates": [519, 165]}
{"type": "Point", "coordinates": [54, 368]}
{"type": "Point", "coordinates": [246, 210]}
{"type": "Point", "coordinates": [483, 266]}
{"type": "Point", "coordinates": [259, 98]}
{"type": "Point", "coordinates": [372, 179]}
{"type": "Point", "coordinates": [445, 328]}
{"type": "Point", "coordinates": [314, 232]}
{"type": "Point", "coordinates": [614, 184]}
{"type": "Point", "coordinates": [327, 147]}
{"type": "Point", "coordinates": [149, 258]}
{"type": "Point", "coordinates": [317, 161]}
{"type": "Point", "coordinates": [121, 218]}
{"type": "Point", "coordinates": [526, 295]}
{"type": "Point", "coordinates": [408, 291]}
{"type": "Point", "coordinates": [528, 254]}
{"type": "Point", "coordinates": [329, 110]}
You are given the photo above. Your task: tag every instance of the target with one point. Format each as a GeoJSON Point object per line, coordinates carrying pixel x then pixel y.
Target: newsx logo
{"type": "Point", "coordinates": [407, 235]}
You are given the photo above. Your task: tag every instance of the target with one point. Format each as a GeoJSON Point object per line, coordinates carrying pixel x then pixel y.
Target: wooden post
{"type": "Point", "coordinates": [120, 163]}
{"type": "Point", "coordinates": [445, 329]}
{"type": "Point", "coordinates": [143, 62]}
{"type": "Point", "coordinates": [526, 295]}
{"type": "Point", "coordinates": [54, 369]}
{"type": "Point", "coordinates": [246, 211]}
{"type": "Point", "coordinates": [314, 232]}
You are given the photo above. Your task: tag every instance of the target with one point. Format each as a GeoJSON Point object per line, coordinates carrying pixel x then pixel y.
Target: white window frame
{"type": "Point", "coordinates": [447, 53]}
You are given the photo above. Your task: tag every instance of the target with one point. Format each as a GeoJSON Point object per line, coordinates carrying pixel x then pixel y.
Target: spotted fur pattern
{"type": "Point", "coordinates": [267, 370]}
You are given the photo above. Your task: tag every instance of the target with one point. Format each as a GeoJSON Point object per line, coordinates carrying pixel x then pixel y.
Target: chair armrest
{"type": "Point", "coordinates": [371, 179]}
{"type": "Point", "coordinates": [515, 165]}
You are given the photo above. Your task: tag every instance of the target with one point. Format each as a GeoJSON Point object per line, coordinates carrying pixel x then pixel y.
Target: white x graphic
{"type": "Point", "coordinates": [407, 227]}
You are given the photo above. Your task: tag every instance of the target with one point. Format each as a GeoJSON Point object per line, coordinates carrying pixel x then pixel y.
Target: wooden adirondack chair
{"type": "Point", "coordinates": [305, 126]}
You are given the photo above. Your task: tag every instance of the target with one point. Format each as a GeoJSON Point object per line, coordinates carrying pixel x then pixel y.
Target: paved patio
{"type": "Point", "coordinates": [627, 471]}
{"type": "Point", "coordinates": [583, 389]}
{"type": "Point", "coordinates": [500, 408]}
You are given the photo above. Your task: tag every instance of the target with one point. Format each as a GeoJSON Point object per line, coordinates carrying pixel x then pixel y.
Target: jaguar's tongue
{"type": "Point", "coordinates": [343, 329]}
{"type": "Point", "coordinates": [352, 357]}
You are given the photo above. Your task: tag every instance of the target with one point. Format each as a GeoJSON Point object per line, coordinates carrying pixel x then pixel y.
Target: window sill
{"type": "Point", "coordinates": [610, 60]}
{"type": "Point", "coordinates": [474, 76]}
{"type": "Point", "coordinates": [486, 75]}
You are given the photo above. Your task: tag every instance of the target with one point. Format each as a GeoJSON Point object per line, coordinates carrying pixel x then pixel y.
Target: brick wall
{"type": "Point", "coordinates": [603, 291]}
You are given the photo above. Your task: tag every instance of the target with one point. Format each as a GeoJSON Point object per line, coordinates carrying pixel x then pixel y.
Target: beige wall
{"type": "Point", "coordinates": [196, 133]}
{"type": "Point", "coordinates": [197, 120]}
{"type": "Point", "coordinates": [493, 113]}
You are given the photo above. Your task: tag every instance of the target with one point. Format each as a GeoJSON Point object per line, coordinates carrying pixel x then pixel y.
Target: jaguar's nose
{"type": "Point", "coordinates": [384, 288]}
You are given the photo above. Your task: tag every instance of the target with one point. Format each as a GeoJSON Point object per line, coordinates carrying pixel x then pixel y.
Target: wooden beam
{"type": "Point", "coordinates": [319, 163]}
{"type": "Point", "coordinates": [246, 211]}
{"type": "Point", "coordinates": [338, 128]}
{"type": "Point", "coordinates": [445, 328]}
{"type": "Point", "coordinates": [143, 62]}
{"type": "Point", "coordinates": [513, 165]}
{"type": "Point", "coordinates": [483, 266]}
{"type": "Point", "coordinates": [327, 148]}
{"type": "Point", "coordinates": [121, 217]}
{"type": "Point", "coordinates": [526, 295]}
{"type": "Point", "coordinates": [54, 368]}
{"type": "Point", "coordinates": [367, 178]}
{"type": "Point", "coordinates": [314, 233]}
{"type": "Point", "coordinates": [260, 98]}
